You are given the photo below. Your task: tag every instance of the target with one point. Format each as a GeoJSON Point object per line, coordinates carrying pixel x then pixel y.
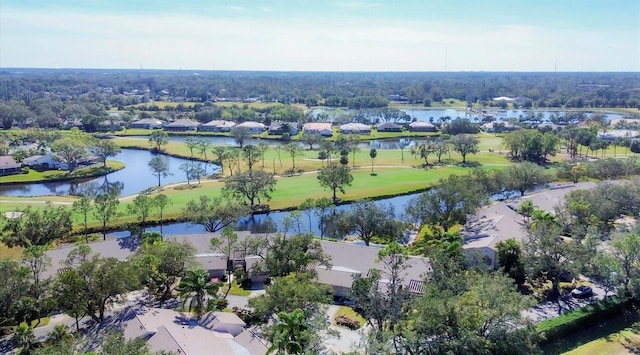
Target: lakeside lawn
{"type": "Point", "coordinates": [54, 175]}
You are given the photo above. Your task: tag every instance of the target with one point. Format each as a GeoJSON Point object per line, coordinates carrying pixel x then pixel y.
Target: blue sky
{"type": "Point", "coordinates": [335, 35]}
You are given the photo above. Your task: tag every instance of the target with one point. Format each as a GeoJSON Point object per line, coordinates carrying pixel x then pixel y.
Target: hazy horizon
{"type": "Point", "coordinates": [330, 36]}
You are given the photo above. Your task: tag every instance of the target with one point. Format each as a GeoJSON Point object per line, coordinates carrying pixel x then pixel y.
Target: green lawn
{"type": "Point", "coordinates": [349, 313]}
{"type": "Point", "coordinates": [626, 341]}
{"type": "Point", "coordinates": [48, 175]}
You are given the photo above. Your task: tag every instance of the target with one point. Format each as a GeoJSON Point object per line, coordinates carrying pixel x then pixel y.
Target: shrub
{"type": "Point", "coordinates": [556, 328]}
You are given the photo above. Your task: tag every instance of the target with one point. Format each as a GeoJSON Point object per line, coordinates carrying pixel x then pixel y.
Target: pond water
{"type": "Point", "coordinates": [259, 222]}
{"type": "Point", "coordinates": [134, 178]}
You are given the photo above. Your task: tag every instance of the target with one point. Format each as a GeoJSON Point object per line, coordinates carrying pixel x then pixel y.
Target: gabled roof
{"type": "Point", "coordinates": [220, 123]}
{"type": "Point", "coordinates": [316, 126]}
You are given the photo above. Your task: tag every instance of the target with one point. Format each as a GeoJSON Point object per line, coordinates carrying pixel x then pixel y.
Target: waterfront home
{"type": "Point", "coordinates": [253, 127]}
{"type": "Point", "coordinates": [322, 128]}
{"type": "Point", "coordinates": [389, 127]}
{"type": "Point", "coordinates": [182, 126]}
{"type": "Point", "coordinates": [355, 128]}
{"type": "Point", "coordinates": [278, 127]}
{"type": "Point", "coordinates": [421, 126]}
{"type": "Point", "coordinates": [147, 123]}
{"type": "Point", "coordinates": [217, 126]}
{"type": "Point", "coordinates": [8, 165]}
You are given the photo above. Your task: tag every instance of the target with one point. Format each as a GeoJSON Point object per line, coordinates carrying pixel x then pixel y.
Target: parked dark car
{"type": "Point", "coordinates": [582, 292]}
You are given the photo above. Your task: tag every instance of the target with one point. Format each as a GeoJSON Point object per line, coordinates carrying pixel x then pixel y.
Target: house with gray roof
{"type": "Point", "coordinates": [217, 126]}
{"type": "Point", "coordinates": [355, 128]}
{"type": "Point", "coordinates": [181, 333]}
{"type": "Point", "coordinates": [182, 126]}
{"type": "Point", "coordinates": [8, 165]}
{"type": "Point", "coordinates": [147, 123]}
{"type": "Point", "coordinates": [253, 127]}
{"type": "Point", "coordinates": [500, 221]}
{"type": "Point", "coordinates": [421, 126]}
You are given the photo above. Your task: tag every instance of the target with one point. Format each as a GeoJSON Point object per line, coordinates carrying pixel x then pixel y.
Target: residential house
{"type": "Point", "coordinates": [147, 123]}
{"type": "Point", "coordinates": [500, 221]}
{"type": "Point", "coordinates": [322, 128]}
{"type": "Point", "coordinates": [421, 126]}
{"type": "Point", "coordinates": [355, 128]}
{"type": "Point", "coordinates": [182, 126]}
{"type": "Point", "coordinates": [49, 161]}
{"type": "Point", "coordinates": [612, 135]}
{"type": "Point", "coordinates": [253, 127]}
{"type": "Point", "coordinates": [216, 126]}
{"type": "Point", "coordinates": [278, 127]}
{"type": "Point", "coordinates": [389, 127]}
{"type": "Point", "coordinates": [181, 333]}
{"type": "Point", "coordinates": [8, 165]}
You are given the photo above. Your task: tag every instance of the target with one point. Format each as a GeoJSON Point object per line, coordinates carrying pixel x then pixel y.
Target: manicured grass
{"type": "Point", "coordinates": [43, 322]}
{"type": "Point", "coordinates": [619, 343]}
{"type": "Point", "coordinates": [349, 313]}
{"type": "Point", "coordinates": [48, 175]}
{"type": "Point", "coordinates": [236, 290]}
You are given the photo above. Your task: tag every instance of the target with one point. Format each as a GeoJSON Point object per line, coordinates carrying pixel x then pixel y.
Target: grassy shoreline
{"type": "Point", "coordinates": [34, 176]}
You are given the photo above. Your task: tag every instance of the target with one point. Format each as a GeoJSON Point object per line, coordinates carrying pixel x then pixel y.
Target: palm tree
{"type": "Point", "coordinates": [23, 338]}
{"type": "Point", "coordinates": [151, 238]}
{"type": "Point", "coordinates": [290, 334]}
{"type": "Point", "coordinates": [540, 216]}
{"type": "Point", "coordinates": [526, 209]}
{"type": "Point", "coordinates": [194, 288]}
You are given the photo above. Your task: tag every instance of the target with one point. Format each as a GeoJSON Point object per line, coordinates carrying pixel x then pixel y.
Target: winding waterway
{"type": "Point", "coordinates": [134, 178]}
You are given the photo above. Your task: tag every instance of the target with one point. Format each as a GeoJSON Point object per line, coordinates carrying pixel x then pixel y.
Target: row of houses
{"type": "Point", "coordinates": [325, 129]}
{"type": "Point", "coordinates": [169, 330]}
{"type": "Point", "coordinates": [8, 165]}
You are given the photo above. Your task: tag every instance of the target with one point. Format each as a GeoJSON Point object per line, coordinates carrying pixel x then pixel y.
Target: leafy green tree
{"type": "Point", "coordinates": [440, 148]}
{"type": "Point", "coordinates": [299, 290]}
{"type": "Point", "coordinates": [465, 144]}
{"type": "Point", "coordinates": [70, 151]}
{"type": "Point", "coordinates": [158, 139]}
{"type": "Point", "coordinates": [526, 209]}
{"type": "Point", "coordinates": [103, 280]}
{"type": "Point", "coordinates": [311, 138]}
{"type": "Point", "coordinates": [484, 313]}
{"type": "Point", "coordinates": [191, 143]}
{"type": "Point", "coordinates": [291, 334]}
{"type": "Point", "coordinates": [203, 145]}
{"type": "Point", "coordinates": [105, 210]}
{"type": "Point", "coordinates": [281, 255]}
{"type": "Point", "coordinates": [159, 167]}
{"type": "Point", "coordinates": [510, 259]}
{"type": "Point", "coordinates": [114, 343]}
{"type": "Point", "coordinates": [547, 254]}
{"type": "Point", "coordinates": [69, 294]}
{"type": "Point", "coordinates": [14, 284]}
{"type": "Point", "coordinates": [161, 263]}
{"type": "Point", "coordinates": [626, 251]}
{"type": "Point", "coordinates": [83, 206]}
{"type": "Point", "coordinates": [226, 244]}
{"type": "Point", "coordinates": [448, 203]}
{"type": "Point", "coordinates": [373, 153]}
{"type": "Point", "coordinates": [240, 134]}
{"type": "Point", "coordinates": [104, 149]}
{"type": "Point", "coordinates": [194, 289]}
{"type": "Point", "coordinates": [335, 177]}
{"type": "Point", "coordinates": [37, 226]}
{"type": "Point", "coordinates": [215, 214]}
{"type": "Point", "coordinates": [294, 151]}
{"type": "Point", "coordinates": [250, 187]}
{"type": "Point", "coordinates": [141, 207]}
{"type": "Point", "coordinates": [526, 176]}
{"type": "Point", "coordinates": [23, 338]}
{"type": "Point", "coordinates": [161, 202]}
{"type": "Point", "coordinates": [251, 155]}
{"type": "Point", "coordinates": [367, 220]}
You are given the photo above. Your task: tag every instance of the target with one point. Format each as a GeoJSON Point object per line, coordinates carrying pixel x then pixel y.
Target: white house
{"type": "Point", "coordinates": [355, 128]}
{"type": "Point", "coordinates": [253, 127]}
{"type": "Point", "coordinates": [322, 128]}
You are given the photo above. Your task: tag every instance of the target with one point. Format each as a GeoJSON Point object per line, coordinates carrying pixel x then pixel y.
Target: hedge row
{"type": "Point", "coordinates": [556, 328]}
